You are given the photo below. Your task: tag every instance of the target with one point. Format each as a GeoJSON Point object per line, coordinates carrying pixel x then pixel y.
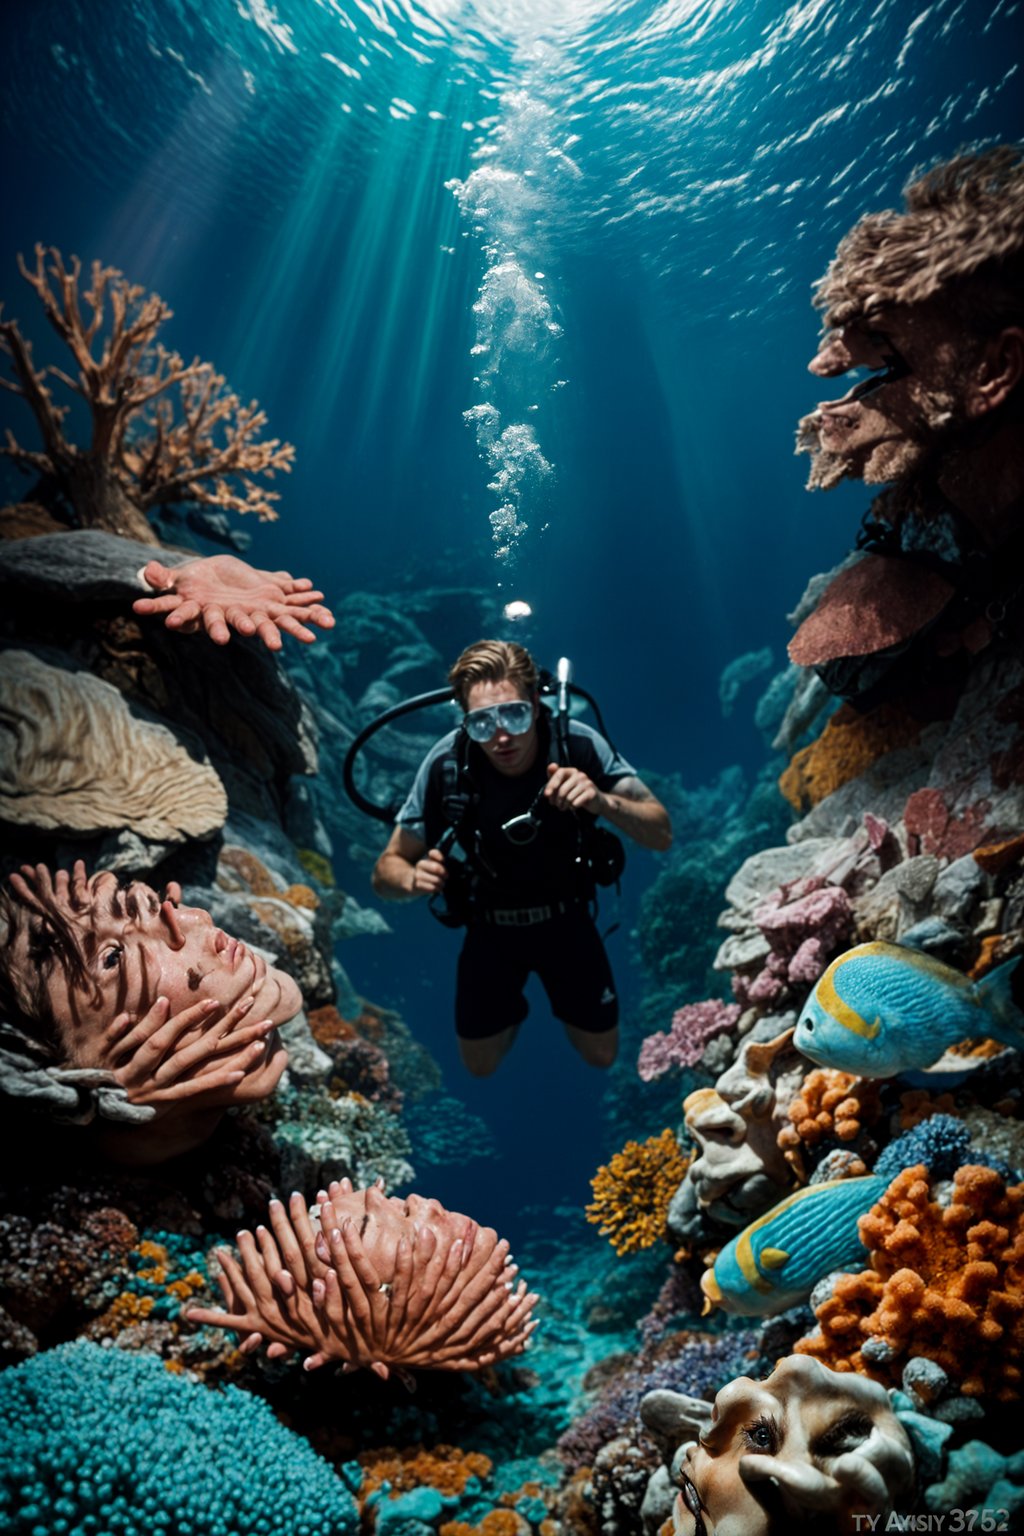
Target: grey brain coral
{"type": "Point", "coordinates": [385, 1283]}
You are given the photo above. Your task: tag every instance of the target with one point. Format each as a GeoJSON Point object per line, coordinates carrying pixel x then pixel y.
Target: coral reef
{"type": "Point", "coordinates": [145, 452]}
{"type": "Point", "coordinates": [77, 756]}
{"type": "Point", "coordinates": [100, 1439]}
{"type": "Point", "coordinates": [739, 1168]}
{"type": "Point", "coordinates": [944, 1284]}
{"type": "Point", "coordinates": [692, 1027]}
{"type": "Point", "coordinates": [830, 1105]}
{"type": "Point", "coordinates": [847, 746]}
{"type": "Point", "coordinates": [632, 1192]}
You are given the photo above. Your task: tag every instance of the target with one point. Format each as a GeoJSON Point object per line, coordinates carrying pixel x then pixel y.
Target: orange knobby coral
{"type": "Point", "coordinates": [445, 1468]}
{"type": "Point", "coordinates": [847, 746]}
{"type": "Point", "coordinates": [946, 1282]}
{"type": "Point", "coordinates": [917, 1105]}
{"type": "Point", "coordinates": [830, 1103]}
{"type": "Point", "coordinates": [633, 1191]}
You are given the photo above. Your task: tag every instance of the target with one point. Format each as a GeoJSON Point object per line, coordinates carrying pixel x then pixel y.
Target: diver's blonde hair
{"type": "Point", "coordinates": [493, 661]}
{"type": "Point", "coordinates": [960, 237]}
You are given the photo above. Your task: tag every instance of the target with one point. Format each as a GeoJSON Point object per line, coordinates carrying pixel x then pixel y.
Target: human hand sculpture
{"type": "Point", "coordinates": [222, 593]}
{"type": "Point", "coordinates": [385, 1283]}
{"type": "Point", "coordinates": [164, 1058]}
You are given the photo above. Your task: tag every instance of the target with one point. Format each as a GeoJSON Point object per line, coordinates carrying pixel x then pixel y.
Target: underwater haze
{"type": "Point", "coordinates": [527, 285]}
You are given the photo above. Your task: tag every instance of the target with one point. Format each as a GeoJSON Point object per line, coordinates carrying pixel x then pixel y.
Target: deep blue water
{"type": "Point", "coordinates": [324, 189]}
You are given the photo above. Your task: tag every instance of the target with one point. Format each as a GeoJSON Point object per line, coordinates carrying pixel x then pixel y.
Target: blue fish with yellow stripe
{"type": "Point", "coordinates": [880, 1009]}
{"type": "Point", "coordinates": [779, 1259]}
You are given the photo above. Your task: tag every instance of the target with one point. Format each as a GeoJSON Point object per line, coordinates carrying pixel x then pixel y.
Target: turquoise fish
{"type": "Point", "coordinates": [880, 1009]}
{"type": "Point", "coordinates": [779, 1259]}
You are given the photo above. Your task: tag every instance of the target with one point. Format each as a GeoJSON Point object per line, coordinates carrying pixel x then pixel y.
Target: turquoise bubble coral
{"type": "Point", "coordinates": [103, 1441]}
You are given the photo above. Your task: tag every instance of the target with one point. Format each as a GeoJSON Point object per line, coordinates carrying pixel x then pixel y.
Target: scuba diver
{"type": "Point", "coordinates": [500, 832]}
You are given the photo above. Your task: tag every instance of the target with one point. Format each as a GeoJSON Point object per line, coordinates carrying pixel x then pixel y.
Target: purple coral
{"type": "Point", "coordinates": [683, 1045]}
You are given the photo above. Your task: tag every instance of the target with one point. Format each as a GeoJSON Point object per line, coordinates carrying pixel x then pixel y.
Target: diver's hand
{"type": "Point", "coordinates": [569, 789]}
{"type": "Point", "coordinates": [429, 873]}
{"type": "Point", "coordinates": [222, 593]}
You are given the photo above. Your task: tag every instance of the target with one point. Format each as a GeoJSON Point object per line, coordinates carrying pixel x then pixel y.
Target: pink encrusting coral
{"type": "Point", "coordinates": [683, 1044]}
{"type": "Point", "coordinates": [805, 924]}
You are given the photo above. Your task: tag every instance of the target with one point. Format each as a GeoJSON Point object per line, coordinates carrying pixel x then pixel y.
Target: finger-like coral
{"type": "Point", "coordinates": [946, 1282]}
{"type": "Point", "coordinates": [804, 925]}
{"type": "Point", "coordinates": [633, 1191]}
{"type": "Point", "coordinates": [683, 1044]}
{"type": "Point", "coordinates": [386, 1283]}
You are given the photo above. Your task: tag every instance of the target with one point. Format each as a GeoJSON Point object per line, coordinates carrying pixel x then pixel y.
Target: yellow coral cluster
{"type": "Point", "coordinates": [846, 748]}
{"type": "Point", "coordinates": [946, 1283]}
{"type": "Point", "coordinates": [633, 1191]}
{"type": "Point", "coordinates": [445, 1468]}
{"type": "Point", "coordinates": [317, 865]}
{"type": "Point", "coordinates": [830, 1103]}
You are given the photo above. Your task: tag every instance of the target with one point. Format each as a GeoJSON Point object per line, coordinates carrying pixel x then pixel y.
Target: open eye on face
{"type": "Point", "coordinates": [762, 1436]}
{"type": "Point", "coordinates": [111, 957]}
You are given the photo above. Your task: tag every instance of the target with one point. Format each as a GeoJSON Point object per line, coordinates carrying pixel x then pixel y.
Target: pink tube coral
{"type": "Point", "coordinates": [683, 1045]}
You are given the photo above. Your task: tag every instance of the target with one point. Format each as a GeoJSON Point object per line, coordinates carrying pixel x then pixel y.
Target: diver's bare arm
{"type": "Point", "coordinates": [407, 868]}
{"type": "Point", "coordinates": [631, 807]}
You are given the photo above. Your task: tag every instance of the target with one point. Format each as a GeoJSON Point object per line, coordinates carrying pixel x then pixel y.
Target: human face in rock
{"type": "Point", "coordinates": [773, 1446]}
{"type": "Point", "coordinates": [132, 948]}
{"type": "Point", "coordinates": [884, 433]}
{"type": "Point", "coordinates": [511, 755]}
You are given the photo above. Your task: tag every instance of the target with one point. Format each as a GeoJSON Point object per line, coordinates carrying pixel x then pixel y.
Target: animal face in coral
{"type": "Point", "coordinates": [907, 374]}
{"type": "Point", "coordinates": [82, 951]}
{"type": "Point", "coordinates": [794, 1448]}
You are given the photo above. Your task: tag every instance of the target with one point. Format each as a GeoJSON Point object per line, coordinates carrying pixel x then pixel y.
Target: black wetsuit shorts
{"type": "Point", "coordinates": [567, 954]}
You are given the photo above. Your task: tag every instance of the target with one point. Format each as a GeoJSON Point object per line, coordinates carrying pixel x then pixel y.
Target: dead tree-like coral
{"type": "Point", "coordinates": [163, 431]}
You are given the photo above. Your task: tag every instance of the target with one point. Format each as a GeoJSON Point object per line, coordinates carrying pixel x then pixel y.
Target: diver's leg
{"type": "Point", "coordinates": [481, 1057]}
{"type": "Point", "coordinates": [578, 980]}
{"type": "Point", "coordinates": [489, 1001]}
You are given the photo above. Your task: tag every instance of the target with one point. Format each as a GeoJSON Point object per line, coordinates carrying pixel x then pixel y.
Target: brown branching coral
{"type": "Point", "coordinates": [946, 1283]}
{"type": "Point", "coordinates": [163, 430]}
{"type": "Point", "coordinates": [633, 1191]}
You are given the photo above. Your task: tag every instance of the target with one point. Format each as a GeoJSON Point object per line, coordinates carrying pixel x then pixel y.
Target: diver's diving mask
{"type": "Point", "coordinates": [515, 717]}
